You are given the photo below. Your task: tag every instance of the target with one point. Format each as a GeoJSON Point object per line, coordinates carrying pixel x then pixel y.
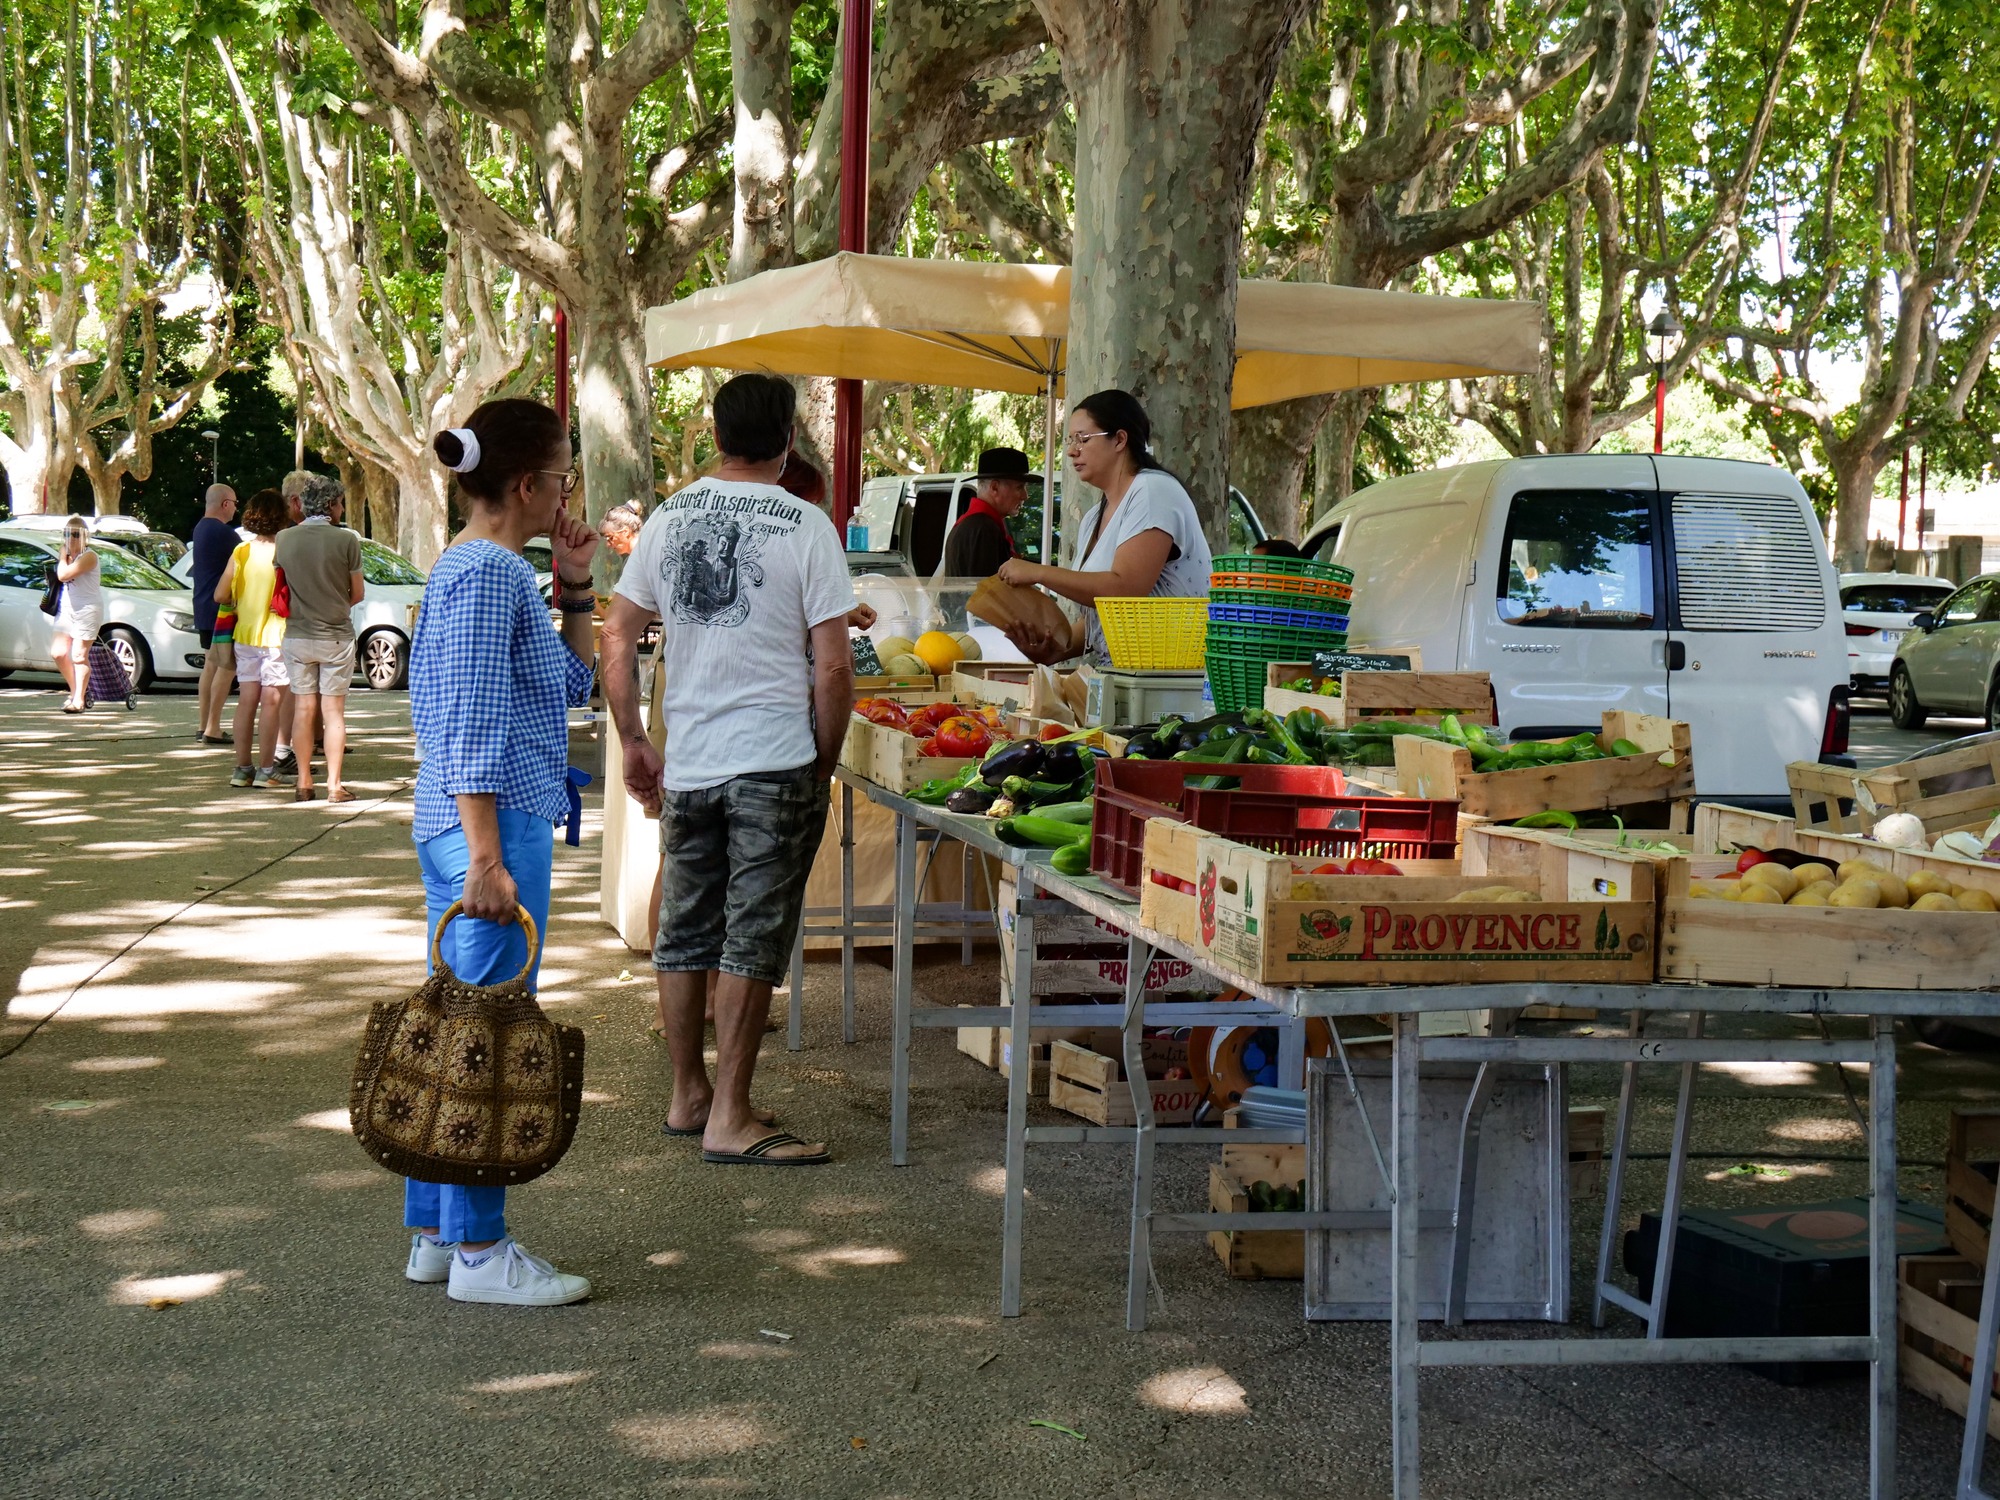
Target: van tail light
{"type": "Point", "coordinates": [1839, 718]}
{"type": "Point", "coordinates": [1861, 630]}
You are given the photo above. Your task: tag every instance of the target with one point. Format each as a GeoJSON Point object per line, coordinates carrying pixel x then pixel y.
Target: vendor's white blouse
{"type": "Point", "coordinates": [1154, 502]}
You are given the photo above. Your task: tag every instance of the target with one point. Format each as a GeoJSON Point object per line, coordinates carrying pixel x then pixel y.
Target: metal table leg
{"type": "Point", "coordinates": [1670, 1206]}
{"type": "Point", "coordinates": [1462, 1198]}
{"type": "Point", "coordinates": [795, 1021]}
{"type": "Point", "coordinates": [1139, 1257]}
{"type": "Point", "coordinates": [1972, 1452]}
{"type": "Point", "coordinates": [1882, 1370]}
{"type": "Point", "coordinates": [1021, 1062]}
{"type": "Point", "coordinates": [1614, 1179]}
{"type": "Point", "coordinates": [904, 960]}
{"type": "Point", "coordinates": [847, 913]}
{"type": "Point", "coordinates": [1403, 1289]}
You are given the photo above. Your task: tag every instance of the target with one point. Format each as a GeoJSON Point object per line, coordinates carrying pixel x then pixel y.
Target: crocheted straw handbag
{"type": "Point", "coordinates": [467, 1084]}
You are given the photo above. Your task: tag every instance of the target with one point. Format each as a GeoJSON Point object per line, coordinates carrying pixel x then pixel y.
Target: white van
{"type": "Point", "coordinates": [1693, 587]}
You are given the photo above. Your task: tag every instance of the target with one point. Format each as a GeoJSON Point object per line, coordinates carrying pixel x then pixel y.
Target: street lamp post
{"type": "Point", "coordinates": [214, 455]}
{"type": "Point", "coordinates": [1664, 326]}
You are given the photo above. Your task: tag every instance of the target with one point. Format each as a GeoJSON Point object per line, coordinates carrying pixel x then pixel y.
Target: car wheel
{"type": "Point", "coordinates": [385, 660]}
{"type": "Point", "coordinates": [1993, 706]}
{"type": "Point", "coordinates": [1904, 709]}
{"type": "Point", "coordinates": [5, 673]}
{"type": "Point", "coordinates": [130, 649]}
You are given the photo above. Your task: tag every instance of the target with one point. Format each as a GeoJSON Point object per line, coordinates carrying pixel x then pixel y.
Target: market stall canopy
{"type": "Point", "coordinates": [1003, 328]}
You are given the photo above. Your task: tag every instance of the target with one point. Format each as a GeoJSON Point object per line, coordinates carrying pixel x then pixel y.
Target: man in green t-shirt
{"type": "Point", "coordinates": [321, 563]}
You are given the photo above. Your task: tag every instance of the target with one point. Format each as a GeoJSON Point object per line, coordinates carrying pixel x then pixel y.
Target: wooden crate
{"type": "Point", "coordinates": [1723, 942]}
{"type": "Point", "coordinates": [1586, 1150]}
{"type": "Point", "coordinates": [1664, 772]}
{"type": "Point", "coordinates": [1948, 791]}
{"type": "Point", "coordinates": [1269, 1160]}
{"type": "Point", "coordinates": [1264, 916]}
{"type": "Point", "coordinates": [1253, 1254]}
{"type": "Point", "coordinates": [1166, 884]}
{"type": "Point", "coordinates": [1412, 697]}
{"type": "Point", "coordinates": [1971, 1152]}
{"type": "Point", "coordinates": [1937, 1302]}
{"type": "Point", "coordinates": [988, 1046]}
{"type": "Point", "coordinates": [1089, 1083]}
{"type": "Point", "coordinates": [1079, 954]}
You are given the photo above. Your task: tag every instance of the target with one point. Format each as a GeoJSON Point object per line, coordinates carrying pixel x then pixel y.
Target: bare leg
{"type": "Point", "coordinates": [217, 668]}
{"type": "Point", "coordinates": [681, 997]}
{"type": "Point", "coordinates": [333, 715]}
{"type": "Point", "coordinates": [71, 676]}
{"type": "Point", "coordinates": [282, 723]}
{"type": "Point", "coordinates": [742, 1010]}
{"type": "Point", "coordinates": [271, 724]}
{"type": "Point", "coordinates": [247, 696]}
{"type": "Point", "coordinates": [302, 735]}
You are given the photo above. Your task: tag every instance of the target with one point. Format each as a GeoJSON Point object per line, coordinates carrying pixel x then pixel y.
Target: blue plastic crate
{"type": "Point", "coordinates": [1281, 619]}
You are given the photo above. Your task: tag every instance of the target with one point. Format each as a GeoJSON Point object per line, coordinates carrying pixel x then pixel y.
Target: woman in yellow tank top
{"type": "Point", "coordinates": [260, 635]}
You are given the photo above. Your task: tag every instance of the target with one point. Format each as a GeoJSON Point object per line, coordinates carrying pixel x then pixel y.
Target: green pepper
{"type": "Point", "coordinates": [1451, 729]}
{"type": "Point", "coordinates": [1554, 818]}
{"type": "Point", "coordinates": [934, 792]}
{"type": "Point", "coordinates": [1263, 722]}
{"type": "Point", "coordinates": [1625, 747]}
{"type": "Point", "coordinates": [1231, 749]}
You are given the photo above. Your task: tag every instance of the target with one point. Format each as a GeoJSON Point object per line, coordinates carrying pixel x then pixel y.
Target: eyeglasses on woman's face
{"type": "Point", "coordinates": [1078, 439]}
{"type": "Point", "coordinates": [568, 477]}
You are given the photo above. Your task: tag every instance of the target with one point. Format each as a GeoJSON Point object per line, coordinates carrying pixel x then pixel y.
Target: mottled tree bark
{"type": "Point", "coordinates": [1170, 98]}
{"type": "Point", "coordinates": [760, 70]}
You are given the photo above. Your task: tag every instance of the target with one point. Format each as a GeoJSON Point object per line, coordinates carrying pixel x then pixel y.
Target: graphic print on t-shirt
{"type": "Point", "coordinates": [710, 560]}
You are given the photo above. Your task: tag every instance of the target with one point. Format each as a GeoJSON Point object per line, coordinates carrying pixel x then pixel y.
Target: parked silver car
{"type": "Point", "coordinates": [1876, 609]}
{"type": "Point", "coordinates": [1948, 662]}
{"type": "Point", "coordinates": [383, 619]}
{"type": "Point", "coordinates": [148, 616]}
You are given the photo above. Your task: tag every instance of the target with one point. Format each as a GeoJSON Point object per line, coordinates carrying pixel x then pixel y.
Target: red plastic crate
{"type": "Point", "coordinates": [1285, 809]}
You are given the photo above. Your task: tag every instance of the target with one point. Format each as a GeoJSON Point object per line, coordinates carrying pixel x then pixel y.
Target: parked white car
{"type": "Point", "coordinates": [148, 615]}
{"type": "Point", "coordinates": [1948, 662]}
{"type": "Point", "coordinates": [1877, 609]}
{"type": "Point", "coordinates": [383, 619]}
{"type": "Point", "coordinates": [1692, 587]}
{"type": "Point", "coordinates": [160, 548]}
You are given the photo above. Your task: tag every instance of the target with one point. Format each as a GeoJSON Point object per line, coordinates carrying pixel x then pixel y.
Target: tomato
{"type": "Point", "coordinates": [1752, 857]}
{"type": "Point", "coordinates": [990, 717]}
{"type": "Point", "coordinates": [885, 713]}
{"type": "Point", "coordinates": [928, 745]}
{"type": "Point", "coordinates": [1372, 867]}
{"type": "Point", "coordinates": [962, 737]}
{"type": "Point", "coordinates": [926, 719]}
{"type": "Point", "coordinates": [1332, 867]}
{"type": "Point", "coordinates": [1055, 731]}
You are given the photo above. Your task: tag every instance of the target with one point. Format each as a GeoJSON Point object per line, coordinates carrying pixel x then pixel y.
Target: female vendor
{"type": "Point", "coordinates": [1143, 539]}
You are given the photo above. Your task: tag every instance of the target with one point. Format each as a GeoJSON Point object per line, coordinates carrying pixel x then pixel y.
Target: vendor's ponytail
{"type": "Point", "coordinates": [1120, 411]}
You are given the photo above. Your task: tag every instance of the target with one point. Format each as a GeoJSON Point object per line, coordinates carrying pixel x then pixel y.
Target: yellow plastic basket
{"type": "Point", "coordinates": [1155, 635]}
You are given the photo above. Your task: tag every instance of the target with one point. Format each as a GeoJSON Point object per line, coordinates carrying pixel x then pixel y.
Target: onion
{"type": "Point", "coordinates": [1901, 831]}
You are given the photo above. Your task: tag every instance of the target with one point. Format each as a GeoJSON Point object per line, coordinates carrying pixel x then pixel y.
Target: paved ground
{"type": "Point", "coordinates": [183, 973]}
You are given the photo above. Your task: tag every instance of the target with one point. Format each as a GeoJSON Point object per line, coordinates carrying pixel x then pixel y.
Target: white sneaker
{"type": "Point", "coordinates": [512, 1275]}
{"type": "Point", "coordinates": [430, 1261]}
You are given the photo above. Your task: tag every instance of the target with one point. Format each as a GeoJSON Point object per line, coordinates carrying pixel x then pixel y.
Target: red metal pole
{"type": "Point", "coordinates": [1660, 410]}
{"type": "Point", "coordinates": [562, 365]}
{"type": "Point", "coordinates": [857, 46]}
{"type": "Point", "coordinates": [1903, 501]}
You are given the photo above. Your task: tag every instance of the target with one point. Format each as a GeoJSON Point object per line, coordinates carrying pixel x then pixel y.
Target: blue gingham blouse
{"type": "Point", "coordinates": [491, 683]}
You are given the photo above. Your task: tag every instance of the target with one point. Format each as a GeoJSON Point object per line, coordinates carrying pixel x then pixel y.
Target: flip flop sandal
{"type": "Point", "coordinates": [343, 795]}
{"type": "Point", "coordinates": [758, 1153]}
{"type": "Point", "coordinates": [304, 794]}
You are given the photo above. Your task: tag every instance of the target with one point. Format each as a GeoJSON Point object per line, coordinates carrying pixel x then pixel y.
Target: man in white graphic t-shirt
{"type": "Point", "coordinates": [751, 589]}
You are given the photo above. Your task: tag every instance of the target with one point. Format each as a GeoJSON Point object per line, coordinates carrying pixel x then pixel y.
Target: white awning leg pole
{"type": "Point", "coordinates": [1049, 452]}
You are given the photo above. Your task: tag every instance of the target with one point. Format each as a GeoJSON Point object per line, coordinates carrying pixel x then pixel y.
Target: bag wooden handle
{"type": "Point", "coordinates": [521, 915]}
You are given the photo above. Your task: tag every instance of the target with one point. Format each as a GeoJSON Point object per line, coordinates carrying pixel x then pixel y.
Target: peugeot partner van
{"type": "Point", "coordinates": [1697, 588]}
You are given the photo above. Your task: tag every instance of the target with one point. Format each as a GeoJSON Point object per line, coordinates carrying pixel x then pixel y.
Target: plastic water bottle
{"type": "Point", "coordinates": [857, 536]}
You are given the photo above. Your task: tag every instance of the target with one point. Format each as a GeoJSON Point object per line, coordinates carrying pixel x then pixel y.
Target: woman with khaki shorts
{"type": "Point", "coordinates": [260, 635]}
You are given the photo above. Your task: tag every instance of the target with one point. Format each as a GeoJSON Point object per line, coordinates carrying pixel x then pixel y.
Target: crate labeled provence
{"type": "Point", "coordinates": [1280, 920]}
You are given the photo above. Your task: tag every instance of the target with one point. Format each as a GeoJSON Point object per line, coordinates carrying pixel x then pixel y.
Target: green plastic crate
{"type": "Point", "coordinates": [1297, 567]}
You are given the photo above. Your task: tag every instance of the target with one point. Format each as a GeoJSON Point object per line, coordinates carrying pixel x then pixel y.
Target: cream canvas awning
{"type": "Point", "coordinates": [1004, 327]}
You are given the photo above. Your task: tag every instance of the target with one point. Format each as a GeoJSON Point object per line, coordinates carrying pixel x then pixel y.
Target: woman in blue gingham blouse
{"type": "Point", "coordinates": [490, 686]}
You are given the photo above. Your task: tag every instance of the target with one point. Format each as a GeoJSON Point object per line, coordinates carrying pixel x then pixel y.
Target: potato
{"type": "Point", "coordinates": [1776, 876]}
{"type": "Point", "coordinates": [1760, 893]}
{"type": "Point", "coordinates": [1704, 893]}
{"type": "Point", "coordinates": [1927, 882]}
{"type": "Point", "coordinates": [1894, 892]}
{"type": "Point", "coordinates": [1495, 893]}
{"type": "Point", "coordinates": [1972, 899]}
{"type": "Point", "coordinates": [1849, 868]}
{"type": "Point", "coordinates": [1811, 897]}
{"type": "Point", "coordinates": [1856, 893]}
{"type": "Point", "coordinates": [1821, 887]}
{"type": "Point", "coordinates": [1813, 874]}
{"type": "Point", "coordinates": [1935, 901]}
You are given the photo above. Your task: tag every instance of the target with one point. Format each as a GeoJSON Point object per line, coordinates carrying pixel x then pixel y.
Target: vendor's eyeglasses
{"type": "Point", "coordinates": [568, 477]}
{"type": "Point", "coordinates": [1078, 439]}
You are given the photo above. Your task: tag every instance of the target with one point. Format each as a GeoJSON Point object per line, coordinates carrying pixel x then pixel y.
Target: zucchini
{"type": "Point", "coordinates": [1033, 828]}
{"type": "Point", "coordinates": [1067, 812]}
{"type": "Point", "coordinates": [1073, 858]}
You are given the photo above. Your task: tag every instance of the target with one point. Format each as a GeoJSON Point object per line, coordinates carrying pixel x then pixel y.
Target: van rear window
{"type": "Point", "coordinates": [1578, 560]}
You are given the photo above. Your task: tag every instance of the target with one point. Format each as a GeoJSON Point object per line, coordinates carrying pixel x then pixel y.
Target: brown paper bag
{"type": "Point", "coordinates": [1006, 605]}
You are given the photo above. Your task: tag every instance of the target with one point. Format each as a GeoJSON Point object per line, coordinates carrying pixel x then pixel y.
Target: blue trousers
{"type": "Point", "coordinates": [479, 953]}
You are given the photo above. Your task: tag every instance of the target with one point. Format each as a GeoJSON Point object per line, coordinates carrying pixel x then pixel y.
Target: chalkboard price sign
{"type": "Point", "coordinates": [1333, 663]}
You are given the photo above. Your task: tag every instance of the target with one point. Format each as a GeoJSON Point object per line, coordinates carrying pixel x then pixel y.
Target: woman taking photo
{"type": "Point", "coordinates": [1144, 538]}
{"type": "Point", "coordinates": [79, 614]}
{"type": "Point", "coordinates": [491, 684]}
{"type": "Point", "coordinates": [244, 590]}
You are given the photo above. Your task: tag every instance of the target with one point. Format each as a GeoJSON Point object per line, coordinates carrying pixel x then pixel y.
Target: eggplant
{"type": "Point", "coordinates": [1023, 758]}
{"type": "Point", "coordinates": [1063, 763]}
{"type": "Point", "coordinates": [1145, 747]}
{"type": "Point", "coordinates": [970, 799]}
